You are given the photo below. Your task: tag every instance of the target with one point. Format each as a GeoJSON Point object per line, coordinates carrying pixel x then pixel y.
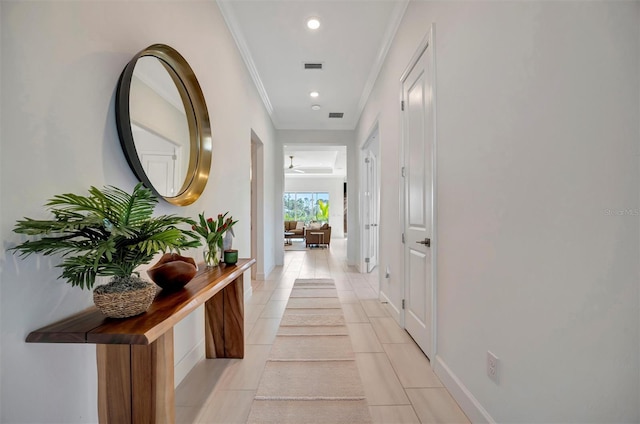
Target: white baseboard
{"type": "Point", "coordinates": [469, 404]}
{"type": "Point", "coordinates": [391, 308]}
{"type": "Point", "coordinates": [186, 364]}
{"type": "Point", "coordinates": [268, 271]}
{"type": "Point", "coordinates": [260, 276]}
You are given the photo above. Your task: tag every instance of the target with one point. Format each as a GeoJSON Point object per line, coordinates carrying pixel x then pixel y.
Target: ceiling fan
{"type": "Point", "coordinates": [292, 166]}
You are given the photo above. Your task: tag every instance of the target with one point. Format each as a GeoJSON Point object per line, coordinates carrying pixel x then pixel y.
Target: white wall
{"type": "Point", "coordinates": [537, 136]}
{"type": "Point", "coordinates": [60, 65]}
{"type": "Point", "coordinates": [334, 186]}
{"type": "Point", "coordinates": [326, 137]}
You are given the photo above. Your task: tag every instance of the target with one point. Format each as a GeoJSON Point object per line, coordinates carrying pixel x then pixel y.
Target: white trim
{"type": "Point", "coordinates": [469, 404]}
{"type": "Point", "coordinates": [392, 28]}
{"type": "Point", "coordinates": [375, 129]}
{"type": "Point", "coordinates": [434, 196]}
{"type": "Point", "coordinates": [236, 32]}
{"type": "Point", "coordinates": [394, 23]}
{"type": "Point", "coordinates": [261, 276]}
{"type": "Point", "coordinates": [248, 292]}
{"type": "Point", "coordinates": [188, 362]}
{"type": "Point", "coordinates": [427, 41]}
{"type": "Point", "coordinates": [424, 43]}
{"type": "Point", "coordinates": [390, 307]}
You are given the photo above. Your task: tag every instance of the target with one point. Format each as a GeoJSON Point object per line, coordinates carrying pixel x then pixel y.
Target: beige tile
{"type": "Point", "coordinates": [264, 331]}
{"type": "Point", "coordinates": [187, 414]}
{"type": "Point", "coordinates": [353, 312]}
{"type": "Point", "coordinates": [206, 393]}
{"type": "Point", "coordinates": [388, 331]}
{"type": "Point", "coordinates": [374, 308]}
{"type": "Point", "coordinates": [436, 406]}
{"type": "Point", "coordinates": [380, 382]}
{"type": "Point", "coordinates": [252, 312]}
{"type": "Point", "coordinates": [260, 297]}
{"type": "Point", "coordinates": [274, 309]}
{"type": "Point", "coordinates": [280, 294]}
{"type": "Point", "coordinates": [248, 328]}
{"type": "Point", "coordinates": [363, 338]}
{"type": "Point", "coordinates": [411, 365]}
{"type": "Point", "coordinates": [398, 414]}
{"type": "Point", "coordinates": [268, 285]}
{"type": "Point", "coordinates": [201, 382]}
{"type": "Point", "coordinates": [347, 296]}
{"type": "Point", "coordinates": [244, 374]}
{"type": "Point", "coordinates": [343, 284]}
{"type": "Point", "coordinates": [360, 285]}
{"type": "Point", "coordinates": [365, 293]}
{"type": "Point", "coordinates": [228, 407]}
{"type": "Point", "coordinates": [286, 283]}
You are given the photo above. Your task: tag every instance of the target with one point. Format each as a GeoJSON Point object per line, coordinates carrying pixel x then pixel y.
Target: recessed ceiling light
{"type": "Point", "coordinates": [314, 94]}
{"type": "Point", "coordinates": [313, 23]}
{"type": "Point", "coordinates": [315, 107]}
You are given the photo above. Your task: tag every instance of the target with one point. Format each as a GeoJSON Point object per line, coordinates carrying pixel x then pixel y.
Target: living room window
{"type": "Point", "coordinates": [306, 206]}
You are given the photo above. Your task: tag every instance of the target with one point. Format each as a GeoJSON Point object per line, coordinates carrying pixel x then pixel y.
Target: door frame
{"type": "Point", "coordinates": [427, 41]}
{"type": "Point", "coordinates": [257, 206]}
{"type": "Point", "coordinates": [364, 148]}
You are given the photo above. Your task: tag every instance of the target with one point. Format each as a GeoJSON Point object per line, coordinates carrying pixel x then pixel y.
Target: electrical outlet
{"type": "Point", "coordinates": [492, 366]}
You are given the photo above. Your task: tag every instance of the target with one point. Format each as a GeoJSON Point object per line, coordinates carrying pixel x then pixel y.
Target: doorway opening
{"type": "Point", "coordinates": [257, 207]}
{"type": "Point", "coordinates": [313, 194]}
{"type": "Point", "coordinates": [370, 201]}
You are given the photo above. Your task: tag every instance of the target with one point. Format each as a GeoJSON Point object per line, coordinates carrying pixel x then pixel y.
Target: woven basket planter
{"type": "Point", "coordinates": [124, 297]}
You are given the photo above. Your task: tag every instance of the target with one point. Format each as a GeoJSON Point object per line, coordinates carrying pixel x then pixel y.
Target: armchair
{"type": "Point", "coordinates": [318, 236]}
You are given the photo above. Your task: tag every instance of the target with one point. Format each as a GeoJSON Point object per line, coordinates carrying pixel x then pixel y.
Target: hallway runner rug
{"type": "Point", "coordinates": [311, 375]}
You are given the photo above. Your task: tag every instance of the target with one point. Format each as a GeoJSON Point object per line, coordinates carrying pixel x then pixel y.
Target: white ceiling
{"type": "Point", "coordinates": [351, 43]}
{"type": "Point", "coordinates": [328, 161]}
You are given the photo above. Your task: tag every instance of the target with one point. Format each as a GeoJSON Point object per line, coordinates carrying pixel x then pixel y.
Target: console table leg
{"type": "Point", "coordinates": [224, 322]}
{"type": "Point", "coordinates": [114, 383]}
{"type": "Point", "coordinates": [135, 382]}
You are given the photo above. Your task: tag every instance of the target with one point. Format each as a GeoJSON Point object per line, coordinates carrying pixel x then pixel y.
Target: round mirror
{"type": "Point", "coordinates": [163, 124]}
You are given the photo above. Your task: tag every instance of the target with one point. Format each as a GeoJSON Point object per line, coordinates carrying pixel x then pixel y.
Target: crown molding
{"type": "Point", "coordinates": [234, 28]}
{"type": "Point", "coordinates": [394, 23]}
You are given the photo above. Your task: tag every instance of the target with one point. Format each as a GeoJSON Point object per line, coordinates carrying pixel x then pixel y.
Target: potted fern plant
{"type": "Point", "coordinates": [107, 233]}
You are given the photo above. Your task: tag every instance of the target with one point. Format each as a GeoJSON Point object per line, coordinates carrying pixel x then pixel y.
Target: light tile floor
{"type": "Point", "coordinates": [398, 381]}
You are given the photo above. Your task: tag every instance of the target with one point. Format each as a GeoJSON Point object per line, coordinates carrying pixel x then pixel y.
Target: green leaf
{"type": "Point", "coordinates": [109, 232]}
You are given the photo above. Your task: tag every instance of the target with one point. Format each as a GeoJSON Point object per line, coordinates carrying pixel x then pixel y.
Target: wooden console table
{"type": "Point", "coordinates": [135, 355]}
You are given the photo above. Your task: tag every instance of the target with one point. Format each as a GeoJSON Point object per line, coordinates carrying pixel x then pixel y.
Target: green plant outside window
{"type": "Point", "coordinates": [306, 206]}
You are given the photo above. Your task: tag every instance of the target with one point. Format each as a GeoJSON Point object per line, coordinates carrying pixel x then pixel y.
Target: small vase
{"type": "Point", "coordinates": [230, 256]}
{"type": "Point", "coordinates": [212, 256]}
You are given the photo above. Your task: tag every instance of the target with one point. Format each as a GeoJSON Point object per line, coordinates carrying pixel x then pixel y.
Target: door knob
{"type": "Point", "coordinates": [426, 241]}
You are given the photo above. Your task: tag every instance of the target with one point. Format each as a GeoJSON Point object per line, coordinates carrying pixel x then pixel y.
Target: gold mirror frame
{"type": "Point", "coordinates": [197, 116]}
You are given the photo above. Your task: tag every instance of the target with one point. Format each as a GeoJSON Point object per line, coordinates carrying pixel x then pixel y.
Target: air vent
{"type": "Point", "coordinates": [313, 66]}
{"type": "Point", "coordinates": [336, 114]}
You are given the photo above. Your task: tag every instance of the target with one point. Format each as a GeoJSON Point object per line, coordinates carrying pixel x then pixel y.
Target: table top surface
{"type": "Point", "coordinates": [288, 233]}
{"type": "Point", "coordinates": [168, 308]}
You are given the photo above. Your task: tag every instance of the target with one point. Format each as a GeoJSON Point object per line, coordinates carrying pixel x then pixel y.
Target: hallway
{"type": "Point", "coordinates": [398, 381]}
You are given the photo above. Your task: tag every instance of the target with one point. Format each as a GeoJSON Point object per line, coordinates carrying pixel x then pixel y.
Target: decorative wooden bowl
{"type": "Point", "coordinates": [173, 272]}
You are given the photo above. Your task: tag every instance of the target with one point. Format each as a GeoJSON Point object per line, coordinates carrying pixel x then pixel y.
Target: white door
{"type": "Point", "coordinates": [418, 131]}
{"type": "Point", "coordinates": [371, 211]}
{"type": "Point", "coordinates": [160, 168]}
